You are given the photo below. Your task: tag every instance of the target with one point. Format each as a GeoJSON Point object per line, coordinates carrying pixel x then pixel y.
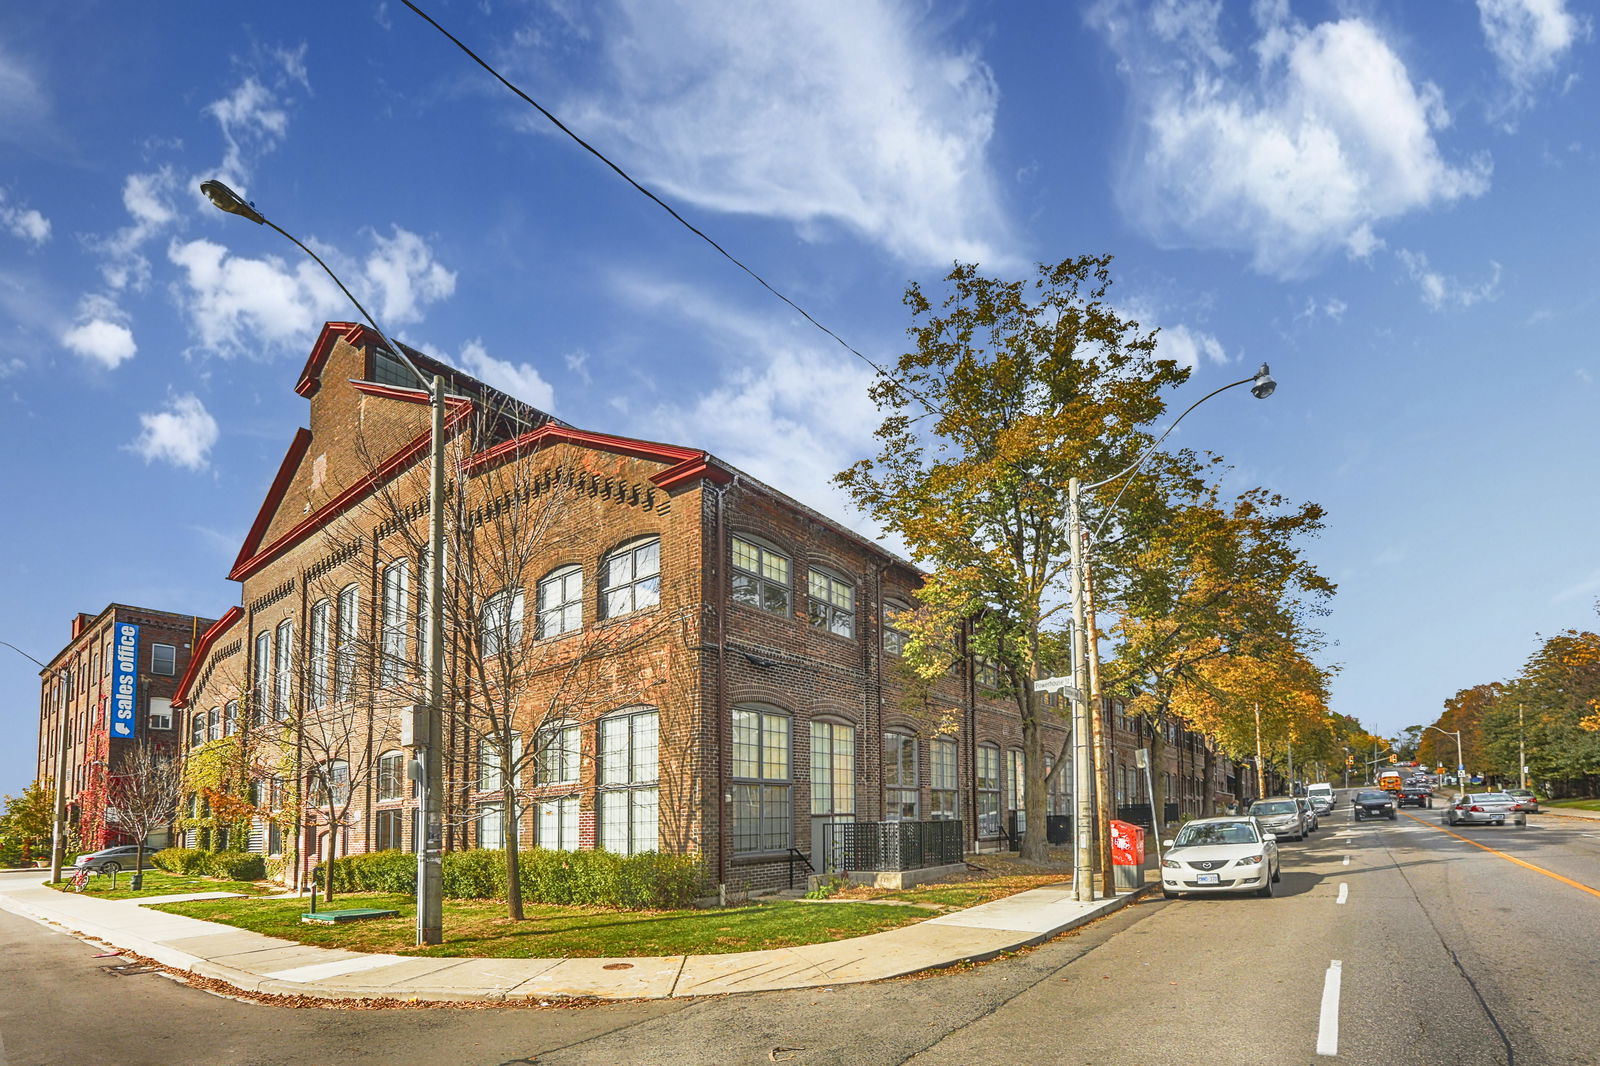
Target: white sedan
{"type": "Point", "coordinates": [1220, 855]}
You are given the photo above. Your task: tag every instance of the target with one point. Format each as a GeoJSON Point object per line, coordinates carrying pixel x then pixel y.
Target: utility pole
{"type": "Point", "coordinates": [1261, 764]}
{"type": "Point", "coordinates": [1082, 719]}
{"type": "Point", "coordinates": [1522, 753]}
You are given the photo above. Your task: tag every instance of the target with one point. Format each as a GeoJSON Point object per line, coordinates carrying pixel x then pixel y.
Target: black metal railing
{"type": "Point", "coordinates": [1139, 814]}
{"type": "Point", "coordinates": [896, 845]}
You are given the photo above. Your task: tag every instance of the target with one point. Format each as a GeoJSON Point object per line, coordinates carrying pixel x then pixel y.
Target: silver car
{"type": "Point", "coordinates": [110, 860]}
{"type": "Point", "coordinates": [1280, 816]}
{"type": "Point", "coordinates": [1486, 808]}
{"type": "Point", "coordinates": [1220, 855]}
{"type": "Point", "coordinates": [1308, 813]}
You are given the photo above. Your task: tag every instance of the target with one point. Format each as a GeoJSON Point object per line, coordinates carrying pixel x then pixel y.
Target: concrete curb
{"type": "Point", "coordinates": [253, 963]}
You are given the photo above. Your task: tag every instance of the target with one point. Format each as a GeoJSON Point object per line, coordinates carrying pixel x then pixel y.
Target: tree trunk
{"type": "Point", "coordinates": [1158, 784]}
{"type": "Point", "coordinates": [1102, 740]}
{"type": "Point", "coordinates": [1035, 840]}
{"type": "Point", "coordinates": [513, 850]}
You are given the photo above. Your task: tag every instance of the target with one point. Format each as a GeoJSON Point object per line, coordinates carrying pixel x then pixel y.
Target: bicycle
{"type": "Point", "coordinates": [80, 879]}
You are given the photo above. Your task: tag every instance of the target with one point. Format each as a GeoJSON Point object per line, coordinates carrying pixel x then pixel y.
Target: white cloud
{"type": "Point", "coordinates": [147, 199]}
{"type": "Point", "coordinates": [24, 107]}
{"type": "Point", "coordinates": [182, 434]}
{"type": "Point", "coordinates": [102, 335]}
{"type": "Point", "coordinates": [25, 223]}
{"type": "Point", "coordinates": [519, 380]}
{"type": "Point", "coordinates": [1529, 38]}
{"type": "Point", "coordinates": [237, 305]}
{"type": "Point", "coordinates": [578, 364]}
{"type": "Point", "coordinates": [251, 121]}
{"type": "Point", "coordinates": [839, 112]}
{"type": "Point", "coordinates": [1323, 138]}
{"type": "Point", "coordinates": [1439, 291]}
{"type": "Point", "coordinates": [1189, 346]}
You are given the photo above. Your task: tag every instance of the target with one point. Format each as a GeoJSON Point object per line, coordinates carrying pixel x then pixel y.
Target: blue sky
{"type": "Point", "coordinates": [1390, 202]}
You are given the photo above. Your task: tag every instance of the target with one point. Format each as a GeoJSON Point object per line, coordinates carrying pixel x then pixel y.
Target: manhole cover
{"type": "Point", "coordinates": [129, 969]}
{"type": "Point", "coordinates": [617, 966]}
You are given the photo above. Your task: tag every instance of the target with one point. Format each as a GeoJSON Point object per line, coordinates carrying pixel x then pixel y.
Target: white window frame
{"type": "Point", "coordinates": [283, 670]}
{"type": "Point", "coordinates": [627, 815]}
{"type": "Point", "coordinates": [159, 712]}
{"type": "Point", "coordinates": [346, 631]}
{"type": "Point", "coordinates": [560, 601]}
{"type": "Point", "coordinates": [500, 623]}
{"type": "Point", "coordinates": [944, 779]}
{"type": "Point", "coordinates": [987, 789]}
{"type": "Point", "coordinates": [321, 629]}
{"type": "Point", "coordinates": [391, 783]}
{"type": "Point", "coordinates": [902, 794]}
{"type": "Point", "coordinates": [894, 638]}
{"type": "Point", "coordinates": [558, 757]}
{"type": "Point", "coordinates": [396, 615]}
{"type": "Point", "coordinates": [640, 587]}
{"type": "Point", "coordinates": [556, 823]}
{"type": "Point", "coordinates": [831, 602]}
{"type": "Point", "coordinates": [833, 767]}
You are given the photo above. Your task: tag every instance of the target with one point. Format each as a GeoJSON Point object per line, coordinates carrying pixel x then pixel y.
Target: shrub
{"type": "Point", "coordinates": [647, 881]}
{"type": "Point", "coordinates": [374, 871]}
{"type": "Point", "coordinates": [236, 865]}
{"type": "Point", "coordinates": [476, 874]}
{"type": "Point", "coordinates": [187, 862]}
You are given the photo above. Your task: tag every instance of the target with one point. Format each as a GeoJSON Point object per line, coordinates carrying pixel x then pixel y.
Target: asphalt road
{"type": "Point", "coordinates": [1446, 953]}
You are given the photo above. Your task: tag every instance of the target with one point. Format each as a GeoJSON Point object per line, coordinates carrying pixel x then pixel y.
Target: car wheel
{"type": "Point", "coordinates": [1265, 891]}
{"type": "Point", "coordinates": [1394, 816]}
{"type": "Point", "coordinates": [1277, 873]}
{"type": "Point", "coordinates": [1167, 893]}
{"type": "Point", "coordinates": [111, 867]}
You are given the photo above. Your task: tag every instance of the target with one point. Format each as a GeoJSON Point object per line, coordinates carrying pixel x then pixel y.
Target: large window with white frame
{"type": "Point", "coordinates": [762, 785]}
{"type": "Point", "coordinates": [988, 790]}
{"type": "Point", "coordinates": [500, 623]}
{"type": "Point", "coordinates": [283, 670]}
{"type": "Point", "coordinates": [492, 825]}
{"type": "Point", "coordinates": [760, 576]}
{"type": "Point", "coordinates": [943, 778]}
{"type": "Point", "coordinates": [321, 614]}
{"type": "Point", "coordinates": [261, 691]}
{"type": "Point", "coordinates": [396, 615]}
{"type": "Point", "coordinates": [831, 602]}
{"type": "Point", "coordinates": [214, 724]}
{"type": "Point", "coordinates": [557, 753]}
{"type": "Point", "coordinates": [556, 823]}
{"type": "Point", "coordinates": [230, 718]}
{"type": "Point", "coordinates": [197, 729]}
{"type": "Point", "coordinates": [391, 776]}
{"type": "Point", "coordinates": [894, 638]}
{"type": "Point", "coordinates": [345, 650]}
{"type": "Point", "coordinates": [833, 767]}
{"type": "Point", "coordinates": [164, 659]}
{"type": "Point", "coordinates": [900, 785]}
{"type": "Point", "coordinates": [561, 602]}
{"type": "Point", "coordinates": [630, 578]}
{"type": "Point", "coordinates": [1016, 782]}
{"type": "Point", "coordinates": [1058, 792]}
{"type": "Point", "coordinates": [160, 712]}
{"type": "Point", "coordinates": [628, 774]}
{"type": "Point", "coordinates": [387, 826]}
{"type": "Point", "coordinates": [493, 760]}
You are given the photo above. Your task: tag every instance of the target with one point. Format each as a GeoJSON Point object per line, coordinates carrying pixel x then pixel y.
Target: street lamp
{"type": "Point", "coordinates": [1461, 764]}
{"type": "Point", "coordinates": [1085, 817]}
{"type": "Point", "coordinates": [428, 733]}
{"type": "Point", "coordinates": [58, 829]}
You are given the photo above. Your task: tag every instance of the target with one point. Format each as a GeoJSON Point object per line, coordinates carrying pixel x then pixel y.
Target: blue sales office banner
{"type": "Point", "coordinates": [124, 680]}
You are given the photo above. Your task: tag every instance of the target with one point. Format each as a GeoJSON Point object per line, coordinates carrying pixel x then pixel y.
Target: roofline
{"type": "Point", "coordinates": [96, 619]}
{"type": "Point", "coordinates": [180, 698]}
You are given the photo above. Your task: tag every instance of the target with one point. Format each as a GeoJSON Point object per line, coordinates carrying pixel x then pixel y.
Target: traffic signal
{"type": "Point", "coordinates": [1349, 760]}
{"type": "Point", "coordinates": [1393, 757]}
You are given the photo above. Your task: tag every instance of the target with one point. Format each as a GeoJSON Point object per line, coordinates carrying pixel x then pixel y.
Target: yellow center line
{"type": "Point", "coordinates": [1509, 858]}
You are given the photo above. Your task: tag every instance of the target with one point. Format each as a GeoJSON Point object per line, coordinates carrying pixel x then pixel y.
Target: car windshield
{"type": "Point", "coordinates": [1274, 807]}
{"type": "Point", "coordinates": [1195, 835]}
{"type": "Point", "coordinates": [1372, 797]}
{"type": "Point", "coordinates": [1519, 791]}
{"type": "Point", "coordinates": [1492, 797]}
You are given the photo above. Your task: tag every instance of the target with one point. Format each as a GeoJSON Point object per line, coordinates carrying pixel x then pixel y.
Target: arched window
{"type": "Point", "coordinates": [283, 671]}
{"type": "Point", "coordinates": [197, 729]}
{"type": "Point", "coordinates": [261, 695]}
{"type": "Point", "coordinates": [900, 783]}
{"type": "Point", "coordinates": [630, 578]}
{"type": "Point", "coordinates": [214, 724]}
{"type": "Point", "coordinates": [762, 819]}
{"type": "Point", "coordinates": [396, 612]}
{"type": "Point", "coordinates": [230, 718]}
{"type": "Point", "coordinates": [501, 622]}
{"type": "Point", "coordinates": [561, 602]}
{"type": "Point", "coordinates": [321, 613]}
{"type": "Point", "coordinates": [627, 807]}
{"type": "Point", "coordinates": [988, 789]}
{"type": "Point", "coordinates": [330, 783]}
{"type": "Point", "coordinates": [344, 654]}
{"type": "Point", "coordinates": [1016, 782]}
{"type": "Point", "coordinates": [831, 603]}
{"type": "Point", "coordinates": [760, 576]}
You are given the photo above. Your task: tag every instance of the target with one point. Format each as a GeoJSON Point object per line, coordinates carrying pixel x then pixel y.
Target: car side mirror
{"type": "Point", "coordinates": [1166, 843]}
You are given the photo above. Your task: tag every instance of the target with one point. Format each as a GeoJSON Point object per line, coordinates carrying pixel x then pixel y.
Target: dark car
{"type": "Point", "coordinates": [1371, 803]}
{"type": "Point", "coordinates": [1416, 795]}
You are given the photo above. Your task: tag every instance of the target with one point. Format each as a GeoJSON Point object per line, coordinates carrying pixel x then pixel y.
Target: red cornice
{"type": "Point", "coordinates": [350, 496]}
{"type": "Point", "coordinates": [311, 375]}
{"type": "Point", "coordinates": [275, 494]}
{"type": "Point", "coordinates": [391, 392]}
{"type": "Point", "coordinates": [698, 466]}
{"type": "Point", "coordinates": [686, 463]}
{"type": "Point", "coordinates": [180, 699]}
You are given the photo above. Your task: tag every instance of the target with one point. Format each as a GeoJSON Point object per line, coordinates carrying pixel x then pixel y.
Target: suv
{"type": "Point", "coordinates": [1416, 795]}
{"type": "Point", "coordinates": [1321, 797]}
{"type": "Point", "coordinates": [1373, 803]}
{"type": "Point", "coordinates": [1280, 816]}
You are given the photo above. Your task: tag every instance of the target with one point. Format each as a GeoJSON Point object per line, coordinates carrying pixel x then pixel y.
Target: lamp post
{"type": "Point", "coordinates": [58, 829]}
{"type": "Point", "coordinates": [1522, 752]}
{"type": "Point", "coordinates": [1461, 764]}
{"type": "Point", "coordinates": [427, 733]}
{"type": "Point", "coordinates": [1087, 709]}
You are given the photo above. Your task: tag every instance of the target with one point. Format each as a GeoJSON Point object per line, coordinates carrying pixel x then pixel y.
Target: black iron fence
{"type": "Point", "coordinates": [895, 845]}
{"type": "Point", "coordinates": [1139, 814]}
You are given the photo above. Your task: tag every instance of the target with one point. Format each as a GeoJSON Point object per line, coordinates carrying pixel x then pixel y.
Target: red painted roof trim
{"type": "Point", "coordinates": [180, 699]}
{"type": "Point", "coordinates": [311, 375]}
{"type": "Point", "coordinates": [700, 466]}
{"type": "Point", "coordinates": [275, 494]}
{"type": "Point", "coordinates": [686, 463]}
{"type": "Point", "coordinates": [356, 492]}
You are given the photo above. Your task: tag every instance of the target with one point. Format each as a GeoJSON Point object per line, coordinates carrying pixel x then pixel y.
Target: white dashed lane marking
{"type": "Point", "coordinates": [1328, 1024]}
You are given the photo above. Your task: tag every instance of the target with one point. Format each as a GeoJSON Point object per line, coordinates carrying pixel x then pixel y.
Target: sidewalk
{"type": "Point", "coordinates": [257, 963]}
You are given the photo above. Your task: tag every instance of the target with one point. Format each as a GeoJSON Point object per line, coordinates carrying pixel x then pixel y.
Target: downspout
{"type": "Point", "coordinates": [720, 705]}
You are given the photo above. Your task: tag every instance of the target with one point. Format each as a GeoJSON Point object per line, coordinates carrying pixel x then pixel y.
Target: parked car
{"type": "Point", "coordinates": [1308, 813]}
{"type": "Point", "coordinates": [1373, 803]}
{"type": "Point", "coordinates": [1321, 797]}
{"type": "Point", "coordinates": [1416, 795]}
{"type": "Point", "coordinates": [1486, 808]}
{"type": "Point", "coordinates": [1530, 802]}
{"type": "Point", "coordinates": [1232, 854]}
{"type": "Point", "coordinates": [110, 860]}
{"type": "Point", "coordinates": [1280, 816]}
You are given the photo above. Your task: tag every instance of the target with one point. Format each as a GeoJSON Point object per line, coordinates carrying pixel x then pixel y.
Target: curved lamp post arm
{"type": "Point", "coordinates": [1261, 386]}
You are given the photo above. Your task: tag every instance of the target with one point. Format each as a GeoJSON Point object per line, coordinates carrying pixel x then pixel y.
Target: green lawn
{"type": "Point", "coordinates": [1579, 804]}
{"type": "Point", "coordinates": [161, 883]}
{"type": "Point", "coordinates": [480, 928]}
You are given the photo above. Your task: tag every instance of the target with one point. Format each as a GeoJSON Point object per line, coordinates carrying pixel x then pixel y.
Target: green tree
{"type": "Point", "coordinates": [1028, 384]}
{"type": "Point", "coordinates": [29, 819]}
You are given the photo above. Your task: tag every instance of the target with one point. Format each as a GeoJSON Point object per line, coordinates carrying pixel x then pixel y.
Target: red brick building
{"type": "Point", "coordinates": [108, 689]}
{"type": "Point", "coordinates": [690, 660]}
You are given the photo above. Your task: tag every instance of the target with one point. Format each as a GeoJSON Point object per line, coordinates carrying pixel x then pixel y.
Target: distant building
{"type": "Point", "coordinates": [110, 688]}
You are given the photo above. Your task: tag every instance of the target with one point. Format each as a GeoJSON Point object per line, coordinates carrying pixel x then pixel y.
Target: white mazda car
{"type": "Point", "coordinates": [1220, 855]}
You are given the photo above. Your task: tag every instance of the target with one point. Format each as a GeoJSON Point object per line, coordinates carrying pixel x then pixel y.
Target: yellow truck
{"type": "Point", "coordinates": [1392, 781]}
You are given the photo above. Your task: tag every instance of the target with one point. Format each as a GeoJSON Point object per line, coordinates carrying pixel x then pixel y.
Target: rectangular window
{"type": "Point", "coordinates": [387, 827]}
{"type": "Point", "coordinates": [490, 777]}
{"type": "Point", "coordinates": [396, 605]}
{"type": "Point", "coordinates": [391, 776]}
{"type": "Point", "coordinates": [319, 652]}
{"type": "Point", "coordinates": [761, 789]}
{"type": "Point", "coordinates": [894, 639]}
{"type": "Point", "coordinates": [988, 788]}
{"type": "Point", "coordinates": [760, 577]}
{"type": "Point", "coordinates": [832, 604]}
{"type": "Point", "coordinates": [557, 823]}
{"type": "Point", "coordinates": [628, 817]}
{"type": "Point", "coordinates": [988, 672]}
{"type": "Point", "coordinates": [163, 659]}
{"type": "Point", "coordinates": [283, 672]}
{"type": "Point", "coordinates": [942, 775]}
{"type": "Point", "coordinates": [389, 369]}
{"type": "Point", "coordinates": [630, 578]}
{"type": "Point", "coordinates": [344, 663]}
{"type": "Point", "coordinates": [492, 825]}
{"type": "Point", "coordinates": [1016, 781]}
{"type": "Point", "coordinates": [160, 713]}
{"type": "Point", "coordinates": [558, 754]}
{"type": "Point", "coordinates": [261, 691]}
{"type": "Point", "coordinates": [833, 768]}
{"type": "Point", "coordinates": [900, 778]}
{"type": "Point", "coordinates": [501, 623]}
{"type": "Point", "coordinates": [561, 603]}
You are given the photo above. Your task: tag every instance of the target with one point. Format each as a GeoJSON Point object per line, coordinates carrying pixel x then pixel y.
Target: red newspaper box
{"type": "Point", "coordinates": [1127, 855]}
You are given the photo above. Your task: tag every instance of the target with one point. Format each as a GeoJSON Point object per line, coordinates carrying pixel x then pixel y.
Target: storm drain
{"type": "Point", "coordinates": [130, 969]}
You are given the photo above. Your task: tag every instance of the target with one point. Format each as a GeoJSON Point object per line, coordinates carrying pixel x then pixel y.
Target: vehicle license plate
{"type": "Point", "coordinates": [1207, 879]}
{"type": "Point", "coordinates": [1497, 821]}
